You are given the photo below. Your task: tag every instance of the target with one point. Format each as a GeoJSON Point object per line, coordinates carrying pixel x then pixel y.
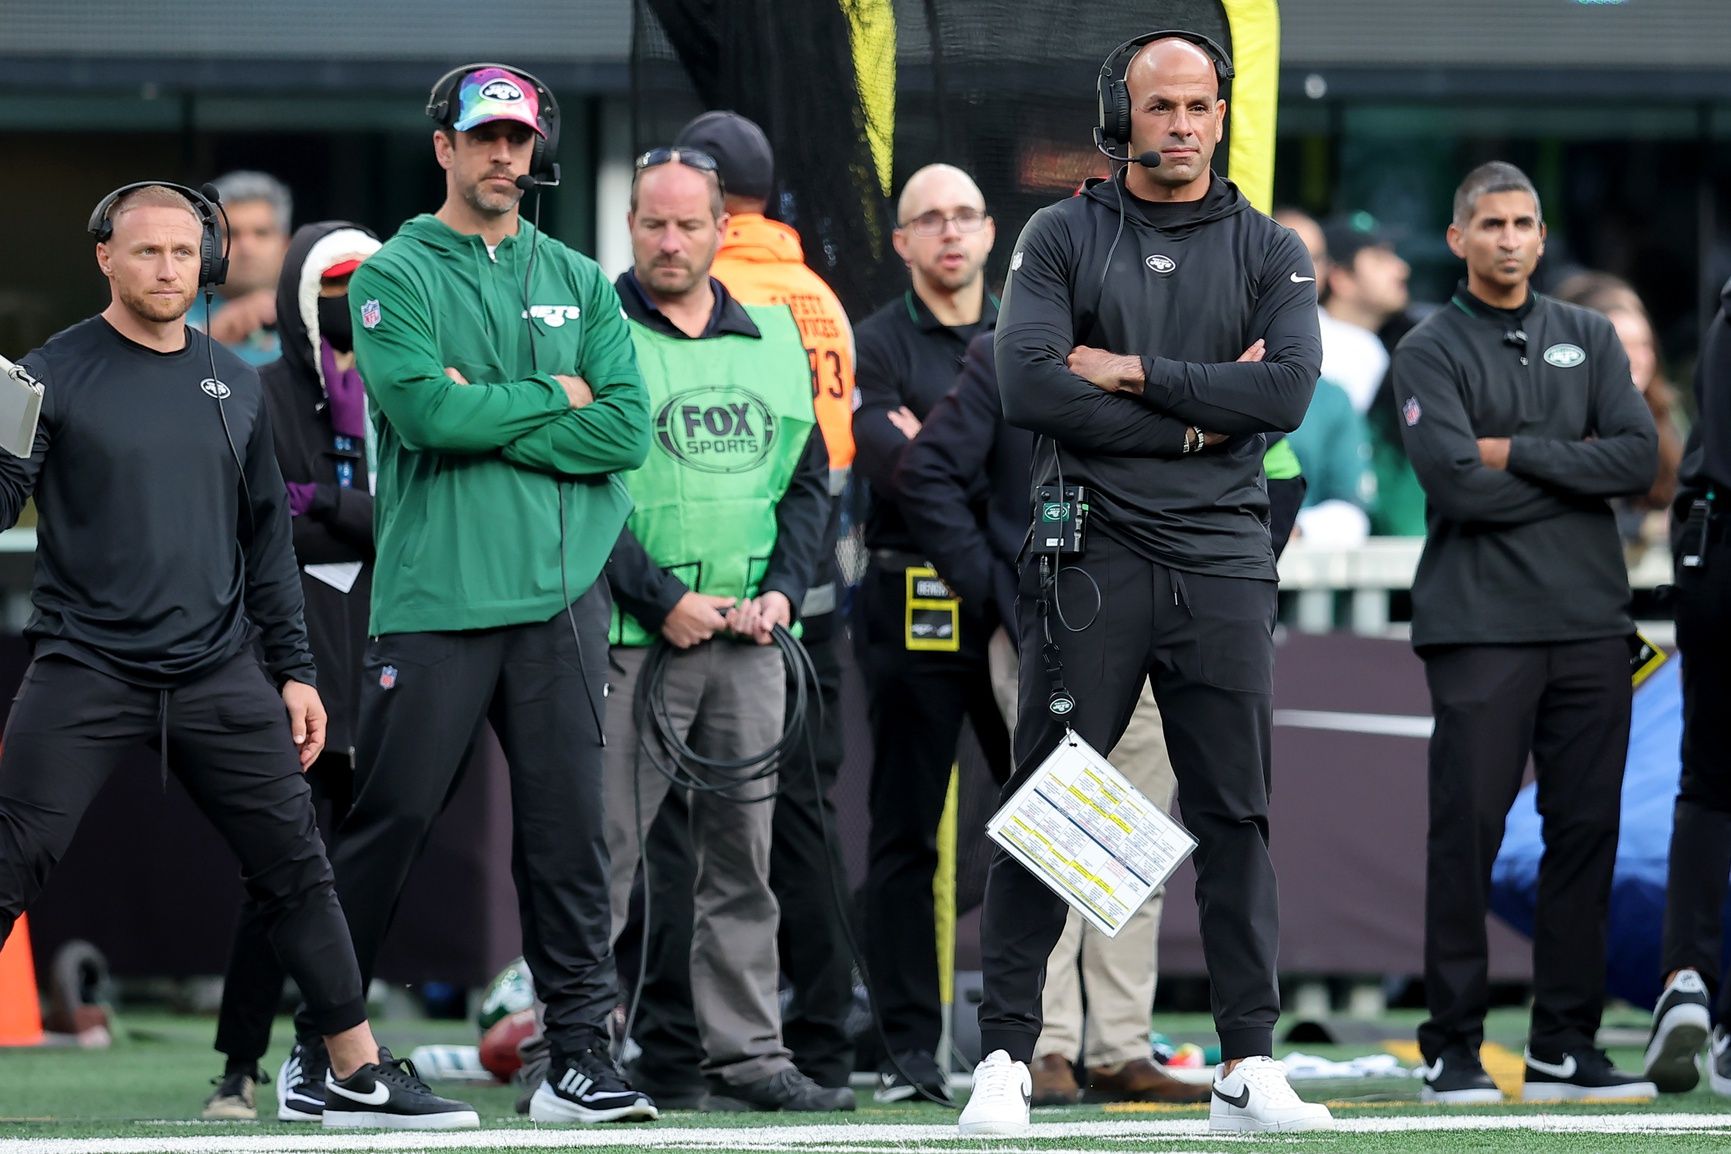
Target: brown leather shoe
{"type": "Point", "coordinates": [1054, 1082]}
{"type": "Point", "coordinates": [1140, 1080]}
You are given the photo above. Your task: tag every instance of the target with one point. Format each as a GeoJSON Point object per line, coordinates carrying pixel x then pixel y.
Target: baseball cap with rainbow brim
{"type": "Point", "coordinates": [489, 94]}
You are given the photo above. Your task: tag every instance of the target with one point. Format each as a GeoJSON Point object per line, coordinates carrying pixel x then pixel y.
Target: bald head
{"type": "Point", "coordinates": [1175, 110]}
{"type": "Point", "coordinates": [937, 186]}
{"type": "Point", "coordinates": [942, 231]}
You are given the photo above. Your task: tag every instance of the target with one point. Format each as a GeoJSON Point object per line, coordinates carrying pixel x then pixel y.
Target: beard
{"type": "Point", "coordinates": [484, 200]}
{"type": "Point", "coordinates": [672, 279]}
{"type": "Point", "coordinates": [157, 309]}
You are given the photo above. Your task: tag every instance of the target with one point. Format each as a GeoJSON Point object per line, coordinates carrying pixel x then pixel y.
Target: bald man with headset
{"type": "Point", "coordinates": [1121, 342]}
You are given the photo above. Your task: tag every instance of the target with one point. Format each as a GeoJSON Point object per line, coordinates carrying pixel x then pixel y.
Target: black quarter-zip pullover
{"type": "Point", "coordinates": [1529, 553]}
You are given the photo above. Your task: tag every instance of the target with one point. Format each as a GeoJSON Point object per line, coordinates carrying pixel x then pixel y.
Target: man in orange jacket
{"type": "Point", "coordinates": [762, 262]}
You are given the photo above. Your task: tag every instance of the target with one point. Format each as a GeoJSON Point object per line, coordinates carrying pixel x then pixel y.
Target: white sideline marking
{"type": "Point", "coordinates": [844, 1139]}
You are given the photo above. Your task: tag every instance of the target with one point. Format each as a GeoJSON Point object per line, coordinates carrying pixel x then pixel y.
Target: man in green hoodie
{"type": "Point", "coordinates": [506, 400]}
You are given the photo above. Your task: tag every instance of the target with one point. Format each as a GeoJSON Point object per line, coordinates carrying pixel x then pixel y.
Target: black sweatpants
{"type": "Point", "coordinates": [1567, 704]}
{"type": "Point", "coordinates": [813, 949]}
{"type": "Point", "coordinates": [229, 745]}
{"type": "Point", "coordinates": [917, 701]}
{"type": "Point", "coordinates": [423, 698]}
{"type": "Point", "coordinates": [1207, 645]}
{"type": "Point", "coordinates": [1701, 832]}
{"type": "Point", "coordinates": [252, 986]}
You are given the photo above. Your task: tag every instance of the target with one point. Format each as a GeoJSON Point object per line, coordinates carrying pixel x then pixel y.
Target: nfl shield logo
{"type": "Point", "coordinates": [387, 676]}
{"type": "Point", "coordinates": [370, 315]}
{"type": "Point", "coordinates": [1411, 411]}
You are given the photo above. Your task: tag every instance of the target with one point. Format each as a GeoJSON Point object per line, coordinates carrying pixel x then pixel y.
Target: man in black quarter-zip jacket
{"type": "Point", "coordinates": [1522, 419]}
{"type": "Point", "coordinates": [1123, 315]}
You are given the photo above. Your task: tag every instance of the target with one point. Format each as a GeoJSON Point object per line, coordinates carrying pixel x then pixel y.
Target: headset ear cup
{"type": "Point", "coordinates": [1120, 109]}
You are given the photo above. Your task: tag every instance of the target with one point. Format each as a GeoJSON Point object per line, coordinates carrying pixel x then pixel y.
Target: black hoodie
{"type": "Point", "coordinates": [1189, 288]}
{"type": "Point", "coordinates": [338, 527]}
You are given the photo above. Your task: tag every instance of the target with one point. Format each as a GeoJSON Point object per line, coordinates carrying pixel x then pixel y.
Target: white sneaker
{"type": "Point", "coordinates": [999, 1103]}
{"type": "Point", "coordinates": [1255, 1098]}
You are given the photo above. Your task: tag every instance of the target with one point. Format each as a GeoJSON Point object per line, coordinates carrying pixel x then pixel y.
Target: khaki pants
{"type": "Point", "coordinates": [1118, 973]}
{"type": "Point", "coordinates": [727, 700]}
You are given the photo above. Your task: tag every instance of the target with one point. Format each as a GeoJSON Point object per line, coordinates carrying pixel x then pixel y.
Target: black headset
{"type": "Point", "coordinates": [442, 107]}
{"type": "Point", "coordinates": [212, 251]}
{"type": "Point", "coordinates": [1113, 125]}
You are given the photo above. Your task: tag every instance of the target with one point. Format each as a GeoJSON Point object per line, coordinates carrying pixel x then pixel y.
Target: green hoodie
{"type": "Point", "coordinates": [472, 477]}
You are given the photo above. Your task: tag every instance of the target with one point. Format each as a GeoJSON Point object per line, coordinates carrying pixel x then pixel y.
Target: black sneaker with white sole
{"type": "Point", "coordinates": [588, 1087]}
{"type": "Point", "coordinates": [389, 1095]}
{"type": "Point", "coordinates": [1681, 1022]}
{"type": "Point", "coordinates": [1457, 1078]}
{"type": "Point", "coordinates": [918, 1076]}
{"type": "Point", "coordinates": [1581, 1076]}
{"type": "Point", "coordinates": [300, 1084]}
{"type": "Point", "coordinates": [786, 1089]}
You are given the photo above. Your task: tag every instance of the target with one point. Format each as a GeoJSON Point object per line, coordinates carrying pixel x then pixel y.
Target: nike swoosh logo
{"type": "Point", "coordinates": [1296, 279]}
{"type": "Point", "coordinates": [1241, 1101]}
{"type": "Point", "coordinates": [1566, 1070]}
{"type": "Point", "coordinates": [379, 1095]}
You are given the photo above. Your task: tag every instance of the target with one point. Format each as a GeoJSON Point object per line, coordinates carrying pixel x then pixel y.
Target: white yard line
{"type": "Point", "coordinates": [828, 1139]}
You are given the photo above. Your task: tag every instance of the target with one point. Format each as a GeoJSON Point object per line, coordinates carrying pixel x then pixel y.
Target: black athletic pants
{"type": "Point", "coordinates": [423, 698]}
{"type": "Point", "coordinates": [229, 744]}
{"type": "Point", "coordinates": [1566, 704]}
{"type": "Point", "coordinates": [252, 987]}
{"type": "Point", "coordinates": [917, 701]}
{"type": "Point", "coordinates": [1207, 644]}
{"type": "Point", "coordinates": [1701, 833]}
{"type": "Point", "coordinates": [813, 949]}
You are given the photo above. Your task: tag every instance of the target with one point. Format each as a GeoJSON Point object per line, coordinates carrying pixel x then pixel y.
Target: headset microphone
{"type": "Point", "coordinates": [1145, 159]}
{"type": "Point", "coordinates": [527, 183]}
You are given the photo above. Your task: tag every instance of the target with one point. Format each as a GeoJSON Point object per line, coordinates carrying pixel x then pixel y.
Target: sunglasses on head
{"type": "Point", "coordinates": [689, 157]}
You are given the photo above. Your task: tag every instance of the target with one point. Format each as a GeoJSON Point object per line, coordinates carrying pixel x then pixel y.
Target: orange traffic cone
{"type": "Point", "coordinates": [20, 1008]}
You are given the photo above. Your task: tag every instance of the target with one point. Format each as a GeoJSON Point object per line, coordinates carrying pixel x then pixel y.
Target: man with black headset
{"type": "Point", "coordinates": [505, 396]}
{"type": "Point", "coordinates": [729, 519]}
{"type": "Point", "coordinates": [163, 542]}
{"type": "Point", "coordinates": [1124, 312]}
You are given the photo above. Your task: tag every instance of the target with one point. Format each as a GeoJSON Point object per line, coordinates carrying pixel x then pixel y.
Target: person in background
{"type": "Point", "coordinates": [1644, 520]}
{"type": "Point", "coordinates": [318, 414]}
{"type": "Point", "coordinates": [258, 208]}
{"type": "Point", "coordinates": [1333, 443]}
{"type": "Point", "coordinates": [925, 669]}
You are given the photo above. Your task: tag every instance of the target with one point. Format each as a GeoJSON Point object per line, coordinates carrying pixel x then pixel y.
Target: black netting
{"type": "Point", "coordinates": [1001, 88]}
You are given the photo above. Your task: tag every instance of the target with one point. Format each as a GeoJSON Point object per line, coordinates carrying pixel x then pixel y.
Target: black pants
{"type": "Point", "coordinates": [1207, 644]}
{"type": "Point", "coordinates": [917, 702]}
{"type": "Point", "coordinates": [423, 698]}
{"type": "Point", "coordinates": [229, 744]}
{"type": "Point", "coordinates": [1567, 704]}
{"type": "Point", "coordinates": [252, 987]}
{"type": "Point", "coordinates": [1701, 833]}
{"type": "Point", "coordinates": [813, 949]}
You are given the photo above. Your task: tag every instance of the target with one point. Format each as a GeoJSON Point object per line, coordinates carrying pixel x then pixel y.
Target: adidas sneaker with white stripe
{"type": "Point", "coordinates": [589, 1087]}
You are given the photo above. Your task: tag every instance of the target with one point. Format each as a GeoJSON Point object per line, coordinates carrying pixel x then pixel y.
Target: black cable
{"type": "Point", "coordinates": [687, 769]}
{"type": "Point", "coordinates": [222, 412]}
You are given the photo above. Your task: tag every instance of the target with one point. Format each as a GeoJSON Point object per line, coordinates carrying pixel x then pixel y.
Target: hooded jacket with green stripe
{"type": "Point", "coordinates": [475, 478]}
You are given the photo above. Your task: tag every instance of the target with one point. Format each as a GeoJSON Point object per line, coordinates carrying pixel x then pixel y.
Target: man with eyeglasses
{"type": "Point", "coordinates": [728, 520]}
{"type": "Point", "coordinates": [922, 649]}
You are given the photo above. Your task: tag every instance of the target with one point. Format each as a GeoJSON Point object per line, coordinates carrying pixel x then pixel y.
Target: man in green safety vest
{"type": "Point", "coordinates": [730, 511]}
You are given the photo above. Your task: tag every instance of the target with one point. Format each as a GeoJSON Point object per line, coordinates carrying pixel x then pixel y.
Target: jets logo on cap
{"type": "Point", "coordinates": [501, 90]}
